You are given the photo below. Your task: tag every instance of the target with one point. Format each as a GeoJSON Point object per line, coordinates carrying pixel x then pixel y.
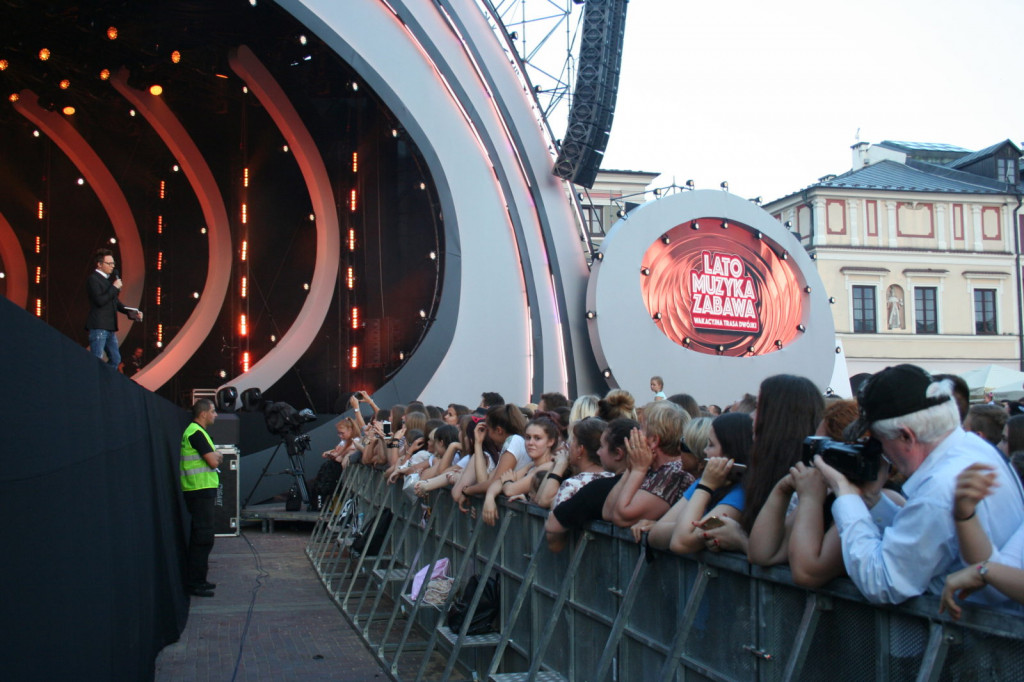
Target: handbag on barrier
{"type": "Point", "coordinates": [487, 609]}
{"type": "Point", "coordinates": [370, 546]}
{"type": "Point", "coordinates": [420, 579]}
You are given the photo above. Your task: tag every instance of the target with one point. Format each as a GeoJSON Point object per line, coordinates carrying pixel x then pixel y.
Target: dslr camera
{"type": "Point", "coordinates": [859, 461]}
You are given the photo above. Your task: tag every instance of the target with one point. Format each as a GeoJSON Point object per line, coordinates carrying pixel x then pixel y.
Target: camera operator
{"type": "Point", "coordinates": [918, 425]}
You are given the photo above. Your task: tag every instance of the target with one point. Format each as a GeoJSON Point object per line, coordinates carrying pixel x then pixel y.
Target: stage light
{"type": "Point", "coordinates": [355, 318]}
{"type": "Point", "coordinates": [226, 398]}
{"type": "Point", "coordinates": [44, 54]}
{"type": "Point", "coordinates": [355, 162]}
{"type": "Point", "coordinates": [285, 149]}
{"type": "Point", "coordinates": [159, 260]}
{"type": "Point", "coordinates": [665, 239]}
{"type": "Point", "coordinates": [4, 64]}
{"type": "Point", "coordinates": [724, 185]}
{"type": "Point", "coordinates": [39, 214]}
{"type": "Point", "coordinates": [39, 307]}
{"type": "Point", "coordinates": [807, 289]}
{"type": "Point", "coordinates": [39, 243]}
{"type": "Point", "coordinates": [433, 255]}
{"type": "Point", "coordinates": [801, 328]}
{"type": "Point", "coordinates": [721, 349]}
{"type": "Point", "coordinates": [690, 184]}
{"type": "Point", "coordinates": [401, 355]}
{"type": "Point", "coordinates": [3, 274]}
{"type": "Point", "coordinates": [245, 177]}
{"type": "Point", "coordinates": [657, 316]}
{"type": "Point", "coordinates": [195, 295]}
{"type": "Point", "coordinates": [39, 274]}
{"type": "Point", "coordinates": [245, 214]}
{"type": "Point", "coordinates": [355, 86]}
{"type": "Point", "coordinates": [423, 314]}
{"type": "Point", "coordinates": [131, 112]}
{"type": "Point", "coordinates": [312, 217]}
{"type": "Point", "coordinates": [599, 255]}
{"type": "Point", "coordinates": [686, 341]}
{"type": "Point", "coordinates": [305, 286]}
{"type": "Point", "coordinates": [80, 181]}
{"type": "Point", "coordinates": [645, 271]}
{"type": "Point", "coordinates": [607, 374]}
{"type": "Point", "coordinates": [725, 224]}
{"type": "Point", "coordinates": [694, 225]}
{"type": "Point", "coordinates": [245, 249]}
{"type": "Point", "coordinates": [778, 343]}
{"type": "Point", "coordinates": [35, 133]}
{"type": "Point", "coordinates": [423, 185]}
{"type": "Point", "coordinates": [354, 357]}
{"type": "Point", "coordinates": [156, 90]}
{"type": "Point", "coordinates": [159, 344]}
{"type": "Point", "coordinates": [65, 84]}
{"type": "Point", "coordinates": [832, 299]}
{"type": "Point", "coordinates": [352, 200]}
{"type": "Point", "coordinates": [303, 40]}
{"type": "Point", "coordinates": [159, 335]}
{"type": "Point", "coordinates": [163, 188]}
{"type": "Point", "coordinates": [159, 224]}
{"type": "Point", "coordinates": [252, 2]}
{"type": "Point", "coordinates": [591, 314]}
{"type": "Point", "coordinates": [252, 399]}
{"type": "Point", "coordinates": [245, 361]}
{"type": "Point", "coordinates": [68, 111]}
{"type": "Point", "coordinates": [756, 200]}
{"type": "Point", "coordinates": [105, 75]}
{"type": "Point", "coordinates": [112, 33]}
{"type": "Point", "coordinates": [394, 132]}
{"type": "Point", "coordinates": [839, 350]}
{"type": "Point", "coordinates": [176, 57]}
{"type": "Point", "coordinates": [273, 338]}
{"type": "Point", "coordinates": [245, 89]}
{"type": "Point", "coordinates": [14, 97]}
{"type": "Point", "coordinates": [351, 239]}
{"type": "Point", "coordinates": [222, 374]}
{"type": "Point", "coordinates": [350, 277]}
{"type": "Point", "coordinates": [243, 326]}
{"type": "Point", "coordinates": [175, 168]}
{"type": "Point", "coordinates": [202, 230]}
{"type": "Point", "coordinates": [113, 240]}
{"type": "Point", "coordinates": [159, 294]}
{"type": "Point", "coordinates": [245, 287]}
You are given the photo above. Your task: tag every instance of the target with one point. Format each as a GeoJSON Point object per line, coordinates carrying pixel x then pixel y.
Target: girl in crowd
{"type": "Point", "coordinates": [337, 458]}
{"type": "Point", "coordinates": [542, 437]}
{"type": "Point", "coordinates": [1001, 569]}
{"type": "Point", "coordinates": [789, 408]}
{"type": "Point", "coordinates": [696, 436]}
{"type": "Point", "coordinates": [457, 455]}
{"type": "Point", "coordinates": [804, 534]}
{"type": "Point", "coordinates": [503, 424]}
{"type": "Point", "coordinates": [580, 459]}
{"type": "Point", "coordinates": [717, 495]}
{"type": "Point", "coordinates": [454, 413]}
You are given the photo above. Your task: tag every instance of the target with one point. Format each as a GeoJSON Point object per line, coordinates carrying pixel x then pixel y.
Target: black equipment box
{"type": "Point", "coordinates": [226, 510]}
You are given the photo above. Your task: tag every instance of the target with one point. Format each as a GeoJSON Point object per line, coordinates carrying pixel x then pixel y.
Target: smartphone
{"type": "Point", "coordinates": [711, 523]}
{"type": "Point", "coordinates": [387, 428]}
{"type": "Point", "coordinates": [736, 466]}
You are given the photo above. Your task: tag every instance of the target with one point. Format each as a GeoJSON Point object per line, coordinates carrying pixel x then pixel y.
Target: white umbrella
{"type": "Point", "coordinates": [1011, 391]}
{"type": "Point", "coordinates": [989, 377]}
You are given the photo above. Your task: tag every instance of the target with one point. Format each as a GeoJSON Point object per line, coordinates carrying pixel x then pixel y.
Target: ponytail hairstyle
{"type": "Point", "coordinates": [587, 433]}
{"type": "Point", "coordinates": [507, 417]}
{"type": "Point", "coordinates": [618, 432]}
{"type": "Point", "coordinates": [446, 435]}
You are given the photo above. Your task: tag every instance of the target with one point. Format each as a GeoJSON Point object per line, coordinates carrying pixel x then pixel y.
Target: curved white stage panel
{"type": "Point", "coordinates": [218, 275]}
{"type": "Point", "coordinates": [502, 320]}
{"type": "Point", "coordinates": [102, 181]}
{"type": "Point", "coordinates": [307, 323]}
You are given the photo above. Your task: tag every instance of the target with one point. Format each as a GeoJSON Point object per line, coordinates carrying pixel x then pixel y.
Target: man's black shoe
{"type": "Point", "coordinates": [200, 591]}
{"type": "Point", "coordinates": [208, 586]}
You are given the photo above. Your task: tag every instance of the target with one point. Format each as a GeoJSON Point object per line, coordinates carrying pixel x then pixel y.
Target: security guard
{"type": "Point", "coordinates": [199, 483]}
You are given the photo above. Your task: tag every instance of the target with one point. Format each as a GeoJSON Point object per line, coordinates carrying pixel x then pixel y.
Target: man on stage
{"type": "Point", "coordinates": [104, 286]}
{"type": "Point", "coordinates": [199, 483]}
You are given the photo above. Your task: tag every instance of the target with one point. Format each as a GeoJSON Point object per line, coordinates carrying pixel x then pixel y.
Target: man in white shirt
{"type": "Point", "coordinates": [917, 423]}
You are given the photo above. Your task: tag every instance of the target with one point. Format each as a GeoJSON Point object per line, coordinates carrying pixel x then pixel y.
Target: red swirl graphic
{"type": "Point", "coordinates": [700, 302]}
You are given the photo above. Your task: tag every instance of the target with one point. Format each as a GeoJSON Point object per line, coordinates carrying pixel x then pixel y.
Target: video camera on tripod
{"type": "Point", "coordinates": [285, 421]}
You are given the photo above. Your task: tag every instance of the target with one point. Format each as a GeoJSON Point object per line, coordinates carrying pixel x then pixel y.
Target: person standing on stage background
{"type": "Point", "coordinates": [103, 286]}
{"type": "Point", "coordinates": [199, 483]}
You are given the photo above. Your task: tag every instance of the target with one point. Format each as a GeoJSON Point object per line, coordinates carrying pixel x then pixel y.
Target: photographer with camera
{"type": "Point", "coordinates": [918, 426]}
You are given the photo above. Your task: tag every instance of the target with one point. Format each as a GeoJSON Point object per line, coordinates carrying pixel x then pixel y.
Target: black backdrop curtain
{"type": "Point", "coordinates": [92, 519]}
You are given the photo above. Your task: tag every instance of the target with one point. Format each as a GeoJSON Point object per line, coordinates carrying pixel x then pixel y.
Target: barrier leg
{"type": "Point", "coordinates": [628, 599]}
{"type": "Point", "coordinates": [704, 575]}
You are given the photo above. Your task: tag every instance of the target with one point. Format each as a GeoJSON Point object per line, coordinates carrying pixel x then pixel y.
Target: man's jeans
{"type": "Point", "coordinates": [102, 340]}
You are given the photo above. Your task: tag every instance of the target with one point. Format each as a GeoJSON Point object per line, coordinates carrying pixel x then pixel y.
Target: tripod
{"type": "Point", "coordinates": [296, 447]}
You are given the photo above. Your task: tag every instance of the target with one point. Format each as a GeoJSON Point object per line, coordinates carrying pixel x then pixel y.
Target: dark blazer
{"type": "Point", "coordinates": [104, 303]}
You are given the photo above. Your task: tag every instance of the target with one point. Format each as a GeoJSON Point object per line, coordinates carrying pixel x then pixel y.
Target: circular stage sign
{"type": "Point", "coordinates": [710, 292]}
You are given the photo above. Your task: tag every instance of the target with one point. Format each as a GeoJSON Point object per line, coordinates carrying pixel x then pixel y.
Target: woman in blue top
{"type": "Point", "coordinates": [718, 493]}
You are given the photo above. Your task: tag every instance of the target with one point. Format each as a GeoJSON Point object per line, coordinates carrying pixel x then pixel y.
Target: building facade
{"type": "Point", "coordinates": [918, 247]}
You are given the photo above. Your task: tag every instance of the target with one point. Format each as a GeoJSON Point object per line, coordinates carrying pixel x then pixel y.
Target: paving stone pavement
{"type": "Point", "coordinates": [295, 632]}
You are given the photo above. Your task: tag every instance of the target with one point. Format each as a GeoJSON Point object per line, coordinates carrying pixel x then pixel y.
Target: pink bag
{"type": "Point", "coordinates": [440, 568]}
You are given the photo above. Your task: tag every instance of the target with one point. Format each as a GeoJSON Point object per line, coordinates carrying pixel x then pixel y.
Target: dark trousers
{"type": "Point", "coordinates": [200, 543]}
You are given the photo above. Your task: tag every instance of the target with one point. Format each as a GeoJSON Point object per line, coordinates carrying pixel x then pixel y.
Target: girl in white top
{"type": "Point", "coordinates": [503, 424]}
{"type": "Point", "coordinates": [542, 438]}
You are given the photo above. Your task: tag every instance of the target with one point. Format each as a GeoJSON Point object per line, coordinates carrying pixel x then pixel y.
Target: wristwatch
{"type": "Point", "coordinates": [983, 571]}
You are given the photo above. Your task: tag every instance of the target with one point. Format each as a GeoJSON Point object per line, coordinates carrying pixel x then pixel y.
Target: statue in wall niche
{"type": "Point", "coordinates": [894, 301]}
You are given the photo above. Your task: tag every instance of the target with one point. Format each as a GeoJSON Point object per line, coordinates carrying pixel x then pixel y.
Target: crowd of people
{"type": "Point", "coordinates": [907, 490]}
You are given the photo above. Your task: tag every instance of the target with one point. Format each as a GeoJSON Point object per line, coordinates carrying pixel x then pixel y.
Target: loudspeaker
{"type": "Point", "coordinates": [226, 509]}
{"type": "Point", "coordinates": [597, 84]}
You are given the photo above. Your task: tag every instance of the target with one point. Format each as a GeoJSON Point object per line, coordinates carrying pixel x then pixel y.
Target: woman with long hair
{"type": "Point", "coordinates": [580, 461]}
{"type": "Point", "coordinates": [542, 436]}
{"type": "Point", "coordinates": [503, 424]}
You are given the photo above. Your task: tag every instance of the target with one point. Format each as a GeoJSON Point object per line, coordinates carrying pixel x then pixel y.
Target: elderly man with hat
{"type": "Point", "coordinates": [918, 425]}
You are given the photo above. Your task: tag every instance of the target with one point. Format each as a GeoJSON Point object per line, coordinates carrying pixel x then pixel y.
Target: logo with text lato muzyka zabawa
{"type": "Point", "coordinates": [723, 296]}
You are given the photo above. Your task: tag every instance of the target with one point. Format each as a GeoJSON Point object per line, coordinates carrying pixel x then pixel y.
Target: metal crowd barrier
{"type": "Point", "coordinates": [607, 608]}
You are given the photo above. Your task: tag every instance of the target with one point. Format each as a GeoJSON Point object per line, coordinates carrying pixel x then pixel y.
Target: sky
{"type": "Point", "coordinates": [770, 96]}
